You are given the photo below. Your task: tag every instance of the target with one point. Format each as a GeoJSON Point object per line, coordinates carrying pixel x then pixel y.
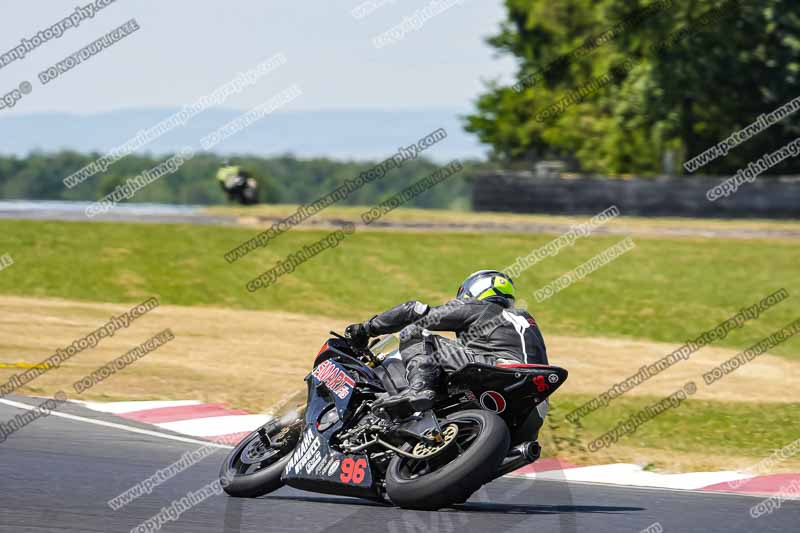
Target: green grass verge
{"type": "Point", "coordinates": [702, 427]}
{"type": "Point", "coordinates": [664, 290]}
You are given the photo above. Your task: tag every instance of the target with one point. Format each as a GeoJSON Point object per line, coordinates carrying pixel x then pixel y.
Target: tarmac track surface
{"type": "Point", "coordinates": [57, 474]}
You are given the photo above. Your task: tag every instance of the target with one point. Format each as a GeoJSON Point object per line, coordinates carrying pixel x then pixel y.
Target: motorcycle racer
{"type": "Point", "coordinates": [489, 330]}
{"type": "Point", "coordinates": [237, 183]}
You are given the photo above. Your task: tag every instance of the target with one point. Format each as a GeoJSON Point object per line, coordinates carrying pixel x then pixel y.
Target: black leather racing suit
{"type": "Point", "coordinates": [487, 330]}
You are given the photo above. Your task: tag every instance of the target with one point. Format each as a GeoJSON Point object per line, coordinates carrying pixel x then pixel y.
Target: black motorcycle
{"type": "Point", "coordinates": [241, 188]}
{"type": "Point", "coordinates": [480, 428]}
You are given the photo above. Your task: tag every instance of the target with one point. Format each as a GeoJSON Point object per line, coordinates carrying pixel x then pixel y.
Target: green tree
{"type": "Point", "coordinates": [680, 76]}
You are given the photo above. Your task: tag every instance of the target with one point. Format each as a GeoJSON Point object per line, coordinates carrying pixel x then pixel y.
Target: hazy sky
{"type": "Point", "coordinates": [187, 48]}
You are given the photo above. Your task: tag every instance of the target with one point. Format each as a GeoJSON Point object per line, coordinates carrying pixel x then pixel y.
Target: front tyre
{"type": "Point", "coordinates": [481, 444]}
{"type": "Point", "coordinates": [254, 467]}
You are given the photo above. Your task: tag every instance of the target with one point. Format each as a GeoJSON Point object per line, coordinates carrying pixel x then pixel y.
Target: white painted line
{"type": "Point", "coordinates": [118, 408]}
{"type": "Point", "coordinates": [103, 423]}
{"type": "Point", "coordinates": [632, 475]}
{"type": "Point", "coordinates": [698, 493]}
{"type": "Point", "coordinates": [215, 426]}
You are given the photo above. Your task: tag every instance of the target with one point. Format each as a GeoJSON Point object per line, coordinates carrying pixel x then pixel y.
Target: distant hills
{"type": "Point", "coordinates": [357, 135]}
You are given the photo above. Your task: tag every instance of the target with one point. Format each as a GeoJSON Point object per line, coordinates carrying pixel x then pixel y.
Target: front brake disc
{"type": "Point", "coordinates": [256, 452]}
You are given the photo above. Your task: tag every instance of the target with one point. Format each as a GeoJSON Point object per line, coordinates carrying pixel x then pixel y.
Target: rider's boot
{"type": "Point", "coordinates": [423, 377]}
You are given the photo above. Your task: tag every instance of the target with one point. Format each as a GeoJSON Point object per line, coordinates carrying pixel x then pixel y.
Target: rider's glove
{"type": "Point", "coordinates": [358, 334]}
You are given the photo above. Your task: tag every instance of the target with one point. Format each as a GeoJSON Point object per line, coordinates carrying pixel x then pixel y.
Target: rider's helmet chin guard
{"type": "Point", "coordinates": [486, 284]}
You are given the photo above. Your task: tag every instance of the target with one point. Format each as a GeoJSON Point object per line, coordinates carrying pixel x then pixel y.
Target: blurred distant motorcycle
{"type": "Point", "coordinates": [475, 433]}
{"type": "Point", "coordinates": [238, 184]}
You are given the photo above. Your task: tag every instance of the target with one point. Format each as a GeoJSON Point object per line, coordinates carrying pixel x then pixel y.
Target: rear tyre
{"type": "Point", "coordinates": [452, 476]}
{"type": "Point", "coordinates": [254, 468]}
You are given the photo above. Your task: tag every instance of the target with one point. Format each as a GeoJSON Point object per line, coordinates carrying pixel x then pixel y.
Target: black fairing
{"type": "Point", "coordinates": [334, 383]}
{"type": "Point", "coordinates": [510, 392]}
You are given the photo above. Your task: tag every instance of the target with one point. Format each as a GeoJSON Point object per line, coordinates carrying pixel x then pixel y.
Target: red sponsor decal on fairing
{"type": "Point", "coordinates": [334, 378]}
{"type": "Point", "coordinates": [493, 401]}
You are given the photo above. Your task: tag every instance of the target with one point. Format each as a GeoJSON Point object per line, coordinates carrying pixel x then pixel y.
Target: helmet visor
{"type": "Point", "coordinates": [477, 287]}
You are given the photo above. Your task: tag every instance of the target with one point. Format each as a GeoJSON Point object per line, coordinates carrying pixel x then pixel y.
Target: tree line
{"type": "Point", "coordinates": [282, 179]}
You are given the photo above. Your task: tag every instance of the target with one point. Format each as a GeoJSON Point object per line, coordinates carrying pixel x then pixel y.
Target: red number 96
{"type": "Point", "coordinates": [353, 471]}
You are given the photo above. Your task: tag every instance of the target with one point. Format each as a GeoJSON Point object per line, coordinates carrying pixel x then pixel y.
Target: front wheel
{"type": "Point", "coordinates": [254, 467]}
{"type": "Point", "coordinates": [481, 443]}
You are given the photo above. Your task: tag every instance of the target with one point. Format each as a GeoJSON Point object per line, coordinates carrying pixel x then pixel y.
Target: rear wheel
{"type": "Point", "coordinates": [451, 476]}
{"type": "Point", "coordinates": [254, 466]}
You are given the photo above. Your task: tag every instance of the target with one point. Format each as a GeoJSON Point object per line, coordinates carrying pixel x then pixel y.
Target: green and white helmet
{"type": "Point", "coordinates": [485, 284]}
